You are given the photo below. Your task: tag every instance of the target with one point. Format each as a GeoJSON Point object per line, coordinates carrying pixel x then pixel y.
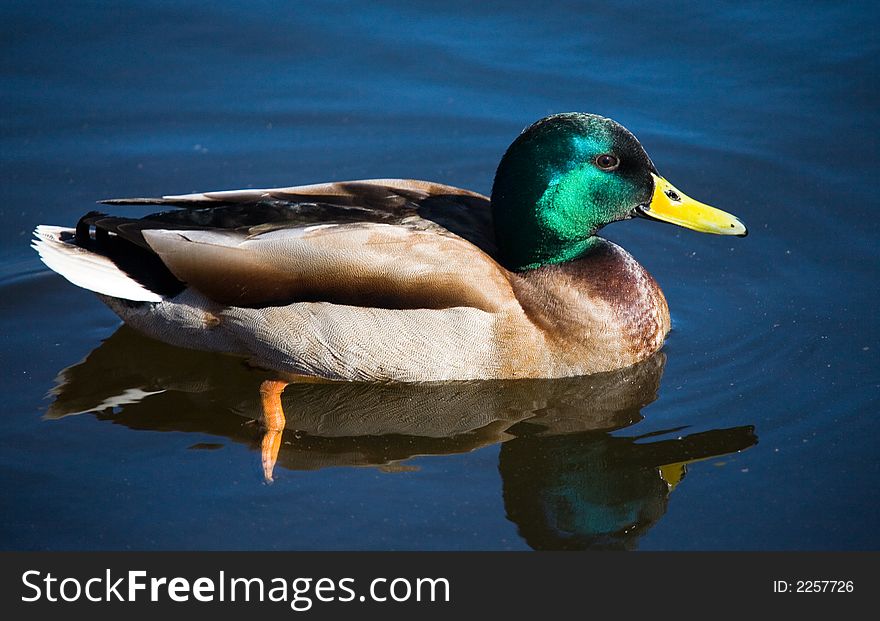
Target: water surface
{"type": "Point", "coordinates": [754, 428]}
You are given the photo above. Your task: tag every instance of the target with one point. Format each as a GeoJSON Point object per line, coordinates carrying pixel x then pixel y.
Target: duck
{"type": "Point", "coordinates": [401, 280]}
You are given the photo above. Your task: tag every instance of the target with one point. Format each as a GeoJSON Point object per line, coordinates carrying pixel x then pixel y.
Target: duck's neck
{"type": "Point", "coordinates": [540, 222]}
{"type": "Point", "coordinates": [540, 253]}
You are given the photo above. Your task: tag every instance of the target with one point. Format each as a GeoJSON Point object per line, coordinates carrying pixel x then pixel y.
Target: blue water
{"type": "Point", "coordinates": [756, 428]}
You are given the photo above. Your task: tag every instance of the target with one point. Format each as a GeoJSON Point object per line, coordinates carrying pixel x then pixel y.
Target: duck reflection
{"type": "Point", "coordinates": [592, 490]}
{"type": "Point", "coordinates": [568, 482]}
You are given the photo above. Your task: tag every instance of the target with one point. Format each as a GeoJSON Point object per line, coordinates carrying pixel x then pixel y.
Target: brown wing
{"type": "Point", "coordinates": [462, 212]}
{"type": "Point", "coordinates": [387, 244]}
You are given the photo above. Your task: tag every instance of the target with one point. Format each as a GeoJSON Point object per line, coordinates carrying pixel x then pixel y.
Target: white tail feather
{"type": "Point", "coordinates": [87, 269]}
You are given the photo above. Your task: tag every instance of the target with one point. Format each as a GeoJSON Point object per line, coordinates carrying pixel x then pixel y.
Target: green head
{"type": "Point", "coordinates": [567, 176]}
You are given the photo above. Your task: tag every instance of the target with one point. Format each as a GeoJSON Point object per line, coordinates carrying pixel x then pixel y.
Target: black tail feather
{"type": "Point", "coordinates": [127, 248]}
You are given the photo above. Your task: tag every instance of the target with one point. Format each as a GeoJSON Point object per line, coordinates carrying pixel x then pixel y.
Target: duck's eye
{"type": "Point", "coordinates": [606, 161]}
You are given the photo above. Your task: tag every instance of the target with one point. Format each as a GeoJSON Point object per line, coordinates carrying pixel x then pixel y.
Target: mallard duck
{"type": "Point", "coordinates": [394, 280]}
{"type": "Point", "coordinates": [403, 280]}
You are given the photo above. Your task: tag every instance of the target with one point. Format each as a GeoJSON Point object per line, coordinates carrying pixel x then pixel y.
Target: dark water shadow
{"type": "Point", "coordinates": [568, 482]}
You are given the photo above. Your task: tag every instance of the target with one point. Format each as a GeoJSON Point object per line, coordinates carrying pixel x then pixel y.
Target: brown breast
{"type": "Point", "coordinates": [600, 312]}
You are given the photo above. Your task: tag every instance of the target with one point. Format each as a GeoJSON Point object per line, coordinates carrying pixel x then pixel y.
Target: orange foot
{"type": "Point", "coordinates": [273, 421]}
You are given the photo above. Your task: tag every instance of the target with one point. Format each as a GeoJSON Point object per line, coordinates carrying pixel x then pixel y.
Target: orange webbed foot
{"type": "Point", "coordinates": [273, 424]}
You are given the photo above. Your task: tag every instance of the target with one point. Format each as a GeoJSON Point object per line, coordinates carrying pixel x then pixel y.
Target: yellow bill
{"type": "Point", "coordinates": [671, 205]}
